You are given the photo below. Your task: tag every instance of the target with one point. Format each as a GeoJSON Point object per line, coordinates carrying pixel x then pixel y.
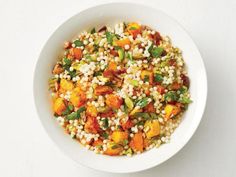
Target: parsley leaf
{"type": "Point", "coordinates": [78, 43]}
{"type": "Point", "coordinates": [158, 77]}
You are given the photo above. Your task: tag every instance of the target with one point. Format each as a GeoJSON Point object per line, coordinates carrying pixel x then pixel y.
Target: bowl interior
{"type": "Point", "coordinates": [110, 14]}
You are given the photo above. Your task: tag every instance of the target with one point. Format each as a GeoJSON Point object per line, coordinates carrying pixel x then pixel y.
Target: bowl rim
{"type": "Point", "coordinates": [204, 74]}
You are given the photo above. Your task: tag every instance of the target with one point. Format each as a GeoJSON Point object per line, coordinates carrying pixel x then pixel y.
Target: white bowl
{"type": "Point", "coordinates": [110, 14]}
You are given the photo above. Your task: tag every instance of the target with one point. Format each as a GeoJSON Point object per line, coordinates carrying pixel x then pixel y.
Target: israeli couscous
{"type": "Point", "coordinates": [121, 90]}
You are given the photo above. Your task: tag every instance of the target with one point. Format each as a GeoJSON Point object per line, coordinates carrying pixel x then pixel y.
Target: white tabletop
{"type": "Point", "coordinates": [25, 148]}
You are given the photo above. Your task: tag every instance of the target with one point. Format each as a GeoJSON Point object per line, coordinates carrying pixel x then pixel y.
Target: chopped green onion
{"type": "Point", "coordinates": [121, 54]}
{"type": "Point", "coordinates": [129, 103]}
{"type": "Point", "coordinates": [157, 51]}
{"type": "Point", "coordinates": [105, 123]}
{"type": "Point", "coordinates": [105, 135]}
{"type": "Point", "coordinates": [171, 96]}
{"type": "Point", "coordinates": [109, 37]}
{"type": "Point", "coordinates": [75, 115]}
{"type": "Point", "coordinates": [143, 102]}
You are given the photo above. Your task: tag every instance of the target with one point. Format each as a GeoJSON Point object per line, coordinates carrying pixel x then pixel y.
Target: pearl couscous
{"type": "Point", "coordinates": [121, 90]}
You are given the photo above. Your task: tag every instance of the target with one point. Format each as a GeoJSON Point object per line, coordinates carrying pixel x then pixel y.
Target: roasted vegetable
{"type": "Point", "coordinates": [113, 149]}
{"type": "Point", "coordinates": [59, 106]}
{"type": "Point", "coordinates": [119, 136]}
{"type": "Point", "coordinates": [171, 111]}
{"type": "Point", "coordinates": [136, 143]}
{"type": "Point", "coordinates": [113, 101]}
{"type": "Point", "coordinates": [152, 128]}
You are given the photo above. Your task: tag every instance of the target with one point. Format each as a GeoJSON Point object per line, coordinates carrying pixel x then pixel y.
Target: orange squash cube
{"type": "Point", "coordinates": [136, 142]}
{"type": "Point", "coordinates": [114, 101]}
{"type": "Point", "coordinates": [59, 106]}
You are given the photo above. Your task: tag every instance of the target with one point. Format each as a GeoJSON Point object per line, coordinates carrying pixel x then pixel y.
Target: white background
{"type": "Point", "coordinates": [26, 150]}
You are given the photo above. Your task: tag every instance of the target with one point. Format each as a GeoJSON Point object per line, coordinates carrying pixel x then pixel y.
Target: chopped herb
{"type": "Point", "coordinates": [126, 109]}
{"type": "Point", "coordinates": [132, 28]}
{"type": "Point", "coordinates": [140, 123]}
{"type": "Point", "coordinates": [109, 37]}
{"type": "Point", "coordinates": [75, 115]}
{"type": "Point", "coordinates": [115, 146]}
{"type": "Point", "coordinates": [117, 47]}
{"type": "Point", "coordinates": [88, 57]}
{"type": "Point", "coordinates": [105, 123]}
{"type": "Point", "coordinates": [183, 90]}
{"type": "Point", "coordinates": [97, 73]}
{"type": "Point", "coordinates": [72, 73]}
{"type": "Point", "coordinates": [125, 142]}
{"type": "Point", "coordinates": [158, 77]}
{"type": "Point", "coordinates": [143, 102]}
{"type": "Point", "coordinates": [146, 78]}
{"type": "Point", "coordinates": [80, 110]}
{"type": "Point", "coordinates": [185, 100]}
{"type": "Point", "coordinates": [171, 96]}
{"type": "Point", "coordinates": [56, 115]}
{"type": "Point", "coordinates": [99, 146]}
{"type": "Point", "coordinates": [70, 107]}
{"type": "Point", "coordinates": [150, 48]}
{"type": "Point", "coordinates": [96, 47]}
{"type": "Point", "coordinates": [142, 115]}
{"type": "Point", "coordinates": [129, 56]}
{"type": "Point", "coordinates": [93, 30]}
{"type": "Point", "coordinates": [78, 43]}
{"type": "Point", "coordinates": [67, 61]}
{"type": "Point", "coordinates": [134, 83]}
{"type": "Point", "coordinates": [105, 135]}
{"type": "Point", "coordinates": [153, 115]}
{"type": "Point", "coordinates": [72, 116]}
{"type": "Point", "coordinates": [121, 54]}
{"type": "Point", "coordinates": [157, 51]}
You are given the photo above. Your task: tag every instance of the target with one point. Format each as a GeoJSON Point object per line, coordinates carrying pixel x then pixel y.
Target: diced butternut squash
{"type": "Point", "coordinates": [171, 111]}
{"type": "Point", "coordinates": [147, 75]}
{"type": "Point", "coordinates": [119, 136]}
{"type": "Point", "coordinates": [98, 142]}
{"type": "Point", "coordinates": [134, 29]}
{"type": "Point", "coordinates": [112, 66]}
{"type": "Point", "coordinates": [102, 90]}
{"type": "Point", "coordinates": [113, 149]}
{"type": "Point", "coordinates": [77, 97]}
{"type": "Point", "coordinates": [122, 42]}
{"type": "Point", "coordinates": [91, 125]}
{"type": "Point", "coordinates": [113, 101]}
{"type": "Point", "coordinates": [150, 108]}
{"type": "Point", "coordinates": [57, 69]}
{"type": "Point", "coordinates": [175, 86]}
{"type": "Point", "coordinates": [66, 85]}
{"type": "Point", "coordinates": [107, 113]}
{"type": "Point", "coordinates": [76, 53]}
{"type": "Point", "coordinates": [127, 125]}
{"type": "Point", "coordinates": [152, 128]}
{"type": "Point", "coordinates": [91, 111]}
{"type": "Point", "coordinates": [161, 89]}
{"type": "Point", "coordinates": [136, 143]}
{"type": "Point", "coordinates": [59, 106]}
{"type": "Point", "coordinates": [146, 142]}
